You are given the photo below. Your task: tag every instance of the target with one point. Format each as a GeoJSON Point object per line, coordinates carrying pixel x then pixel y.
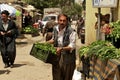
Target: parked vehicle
{"type": "Point", "coordinates": [47, 18]}
{"type": "Point", "coordinates": [50, 12]}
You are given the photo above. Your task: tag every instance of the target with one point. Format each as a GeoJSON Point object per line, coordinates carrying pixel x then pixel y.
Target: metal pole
{"type": "Point", "coordinates": [98, 32]}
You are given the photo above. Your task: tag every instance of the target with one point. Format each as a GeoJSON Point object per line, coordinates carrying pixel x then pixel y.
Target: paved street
{"type": "Point", "coordinates": [26, 66]}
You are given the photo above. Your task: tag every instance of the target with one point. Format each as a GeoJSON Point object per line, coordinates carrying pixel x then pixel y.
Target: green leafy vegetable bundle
{"type": "Point", "coordinates": [102, 49]}
{"type": "Point", "coordinates": [44, 51]}
{"type": "Point", "coordinates": [45, 47]}
{"type": "Point", "coordinates": [115, 32]}
{"type": "Point", "coordinates": [29, 30]}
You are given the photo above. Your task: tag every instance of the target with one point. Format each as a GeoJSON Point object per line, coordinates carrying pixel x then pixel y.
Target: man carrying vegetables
{"type": "Point", "coordinates": [64, 41]}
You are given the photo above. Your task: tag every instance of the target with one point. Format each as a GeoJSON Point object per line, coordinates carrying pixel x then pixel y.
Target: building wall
{"type": "Point", "coordinates": [119, 10]}
{"type": "Point", "coordinates": [90, 21]}
{"type": "Point", "coordinates": [116, 12]}
{"type": "Point", "coordinates": [8, 1]}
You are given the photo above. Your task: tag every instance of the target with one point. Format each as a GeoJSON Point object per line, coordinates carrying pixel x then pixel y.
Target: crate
{"type": "Point", "coordinates": [45, 56]}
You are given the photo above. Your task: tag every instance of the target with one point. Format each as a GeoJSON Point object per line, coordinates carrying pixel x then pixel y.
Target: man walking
{"type": "Point", "coordinates": [64, 41]}
{"type": "Point", "coordinates": [8, 33]}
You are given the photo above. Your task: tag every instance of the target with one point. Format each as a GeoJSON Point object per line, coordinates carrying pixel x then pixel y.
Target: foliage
{"type": "Point", "coordinates": [44, 51]}
{"type": "Point", "coordinates": [102, 49]}
{"type": "Point", "coordinates": [83, 50]}
{"type": "Point", "coordinates": [75, 9]}
{"type": "Point", "coordinates": [67, 6]}
{"type": "Point", "coordinates": [115, 33]}
{"type": "Point", "coordinates": [45, 47]}
{"type": "Point", "coordinates": [29, 30]}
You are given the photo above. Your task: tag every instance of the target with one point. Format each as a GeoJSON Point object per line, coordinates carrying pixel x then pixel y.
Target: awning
{"type": "Point", "coordinates": [10, 9]}
{"type": "Point", "coordinates": [29, 8]}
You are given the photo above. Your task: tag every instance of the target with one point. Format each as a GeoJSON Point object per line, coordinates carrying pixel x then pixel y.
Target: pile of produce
{"type": "Point", "coordinates": [45, 47]}
{"type": "Point", "coordinates": [102, 49]}
{"type": "Point", "coordinates": [43, 51]}
{"type": "Point", "coordinates": [29, 30]}
{"type": "Point", "coordinates": [115, 32]}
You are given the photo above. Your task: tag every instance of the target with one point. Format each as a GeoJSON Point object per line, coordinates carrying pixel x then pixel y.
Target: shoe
{"type": "Point", "coordinates": [6, 66]}
{"type": "Point", "coordinates": [11, 66]}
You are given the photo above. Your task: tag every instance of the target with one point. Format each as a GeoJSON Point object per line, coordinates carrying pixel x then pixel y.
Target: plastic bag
{"type": "Point", "coordinates": [76, 75]}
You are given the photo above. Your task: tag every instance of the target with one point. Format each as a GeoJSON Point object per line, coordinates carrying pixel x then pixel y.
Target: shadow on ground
{"type": "Point", "coordinates": [19, 43]}
{"type": "Point", "coordinates": [5, 71]}
{"type": "Point", "coordinates": [18, 65]}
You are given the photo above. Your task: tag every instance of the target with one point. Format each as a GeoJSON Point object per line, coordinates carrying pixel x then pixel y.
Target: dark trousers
{"type": "Point", "coordinates": [56, 71]}
{"type": "Point", "coordinates": [67, 71]}
{"type": "Point", "coordinates": [8, 53]}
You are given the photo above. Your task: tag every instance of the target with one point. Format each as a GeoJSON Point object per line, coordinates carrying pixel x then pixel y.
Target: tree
{"type": "Point", "coordinates": [41, 4]}
{"type": "Point", "coordinates": [68, 6]}
{"type": "Point", "coordinates": [73, 10]}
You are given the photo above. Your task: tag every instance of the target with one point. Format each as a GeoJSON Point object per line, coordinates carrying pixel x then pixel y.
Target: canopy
{"type": "Point", "coordinates": [9, 8]}
{"type": "Point", "coordinates": [29, 8]}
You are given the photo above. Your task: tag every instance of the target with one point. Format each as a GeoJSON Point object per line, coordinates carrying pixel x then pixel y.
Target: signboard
{"type": "Point", "coordinates": [104, 3]}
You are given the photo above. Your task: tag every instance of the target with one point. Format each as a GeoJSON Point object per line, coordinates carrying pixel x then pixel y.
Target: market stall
{"type": "Point", "coordinates": [100, 61]}
{"type": "Point", "coordinates": [109, 70]}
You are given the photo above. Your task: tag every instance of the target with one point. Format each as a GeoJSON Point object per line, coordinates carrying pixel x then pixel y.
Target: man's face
{"type": "Point", "coordinates": [4, 17]}
{"type": "Point", "coordinates": [62, 21]}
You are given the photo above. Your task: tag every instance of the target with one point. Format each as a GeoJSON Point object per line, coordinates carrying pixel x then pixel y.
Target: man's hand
{"type": "Point", "coordinates": [2, 33]}
{"type": "Point", "coordinates": [58, 50]}
{"type": "Point", "coordinates": [9, 32]}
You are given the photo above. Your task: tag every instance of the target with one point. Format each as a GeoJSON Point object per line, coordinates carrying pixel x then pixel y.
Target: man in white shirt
{"type": "Point", "coordinates": [64, 41]}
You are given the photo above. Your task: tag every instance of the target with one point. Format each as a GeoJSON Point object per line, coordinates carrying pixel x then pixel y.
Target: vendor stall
{"type": "Point", "coordinates": [105, 70]}
{"type": "Point", "coordinates": [100, 61]}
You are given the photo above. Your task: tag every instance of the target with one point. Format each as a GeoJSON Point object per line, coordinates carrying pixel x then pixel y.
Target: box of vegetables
{"type": "Point", "coordinates": [45, 52]}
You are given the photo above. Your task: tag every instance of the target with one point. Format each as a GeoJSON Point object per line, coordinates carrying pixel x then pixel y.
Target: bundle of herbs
{"type": "Point", "coordinates": [45, 47]}
{"type": "Point", "coordinates": [101, 49]}
{"type": "Point", "coordinates": [115, 30]}
{"type": "Point", "coordinates": [44, 51]}
{"type": "Point", "coordinates": [29, 30]}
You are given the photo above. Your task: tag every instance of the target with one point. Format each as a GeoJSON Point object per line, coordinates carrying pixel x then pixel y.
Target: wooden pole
{"type": "Point", "coordinates": [98, 32]}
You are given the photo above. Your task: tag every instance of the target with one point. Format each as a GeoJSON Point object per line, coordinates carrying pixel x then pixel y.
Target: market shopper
{"type": "Point", "coordinates": [64, 41]}
{"type": "Point", "coordinates": [80, 24]}
{"type": "Point", "coordinates": [8, 33]}
{"type": "Point", "coordinates": [104, 26]}
{"type": "Point", "coordinates": [27, 19]}
{"type": "Point", "coordinates": [48, 30]}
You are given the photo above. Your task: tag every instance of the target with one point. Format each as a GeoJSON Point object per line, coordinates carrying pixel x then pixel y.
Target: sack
{"type": "Point", "coordinates": [45, 56]}
{"type": "Point", "coordinates": [76, 75]}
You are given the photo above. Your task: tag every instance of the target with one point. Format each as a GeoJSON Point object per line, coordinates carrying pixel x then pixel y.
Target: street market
{"type": "Point", "coordinates": [97, 39]}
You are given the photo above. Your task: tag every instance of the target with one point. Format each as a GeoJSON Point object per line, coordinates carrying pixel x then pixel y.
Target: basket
{"type": "Point", "coordinates": [45, 56]}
